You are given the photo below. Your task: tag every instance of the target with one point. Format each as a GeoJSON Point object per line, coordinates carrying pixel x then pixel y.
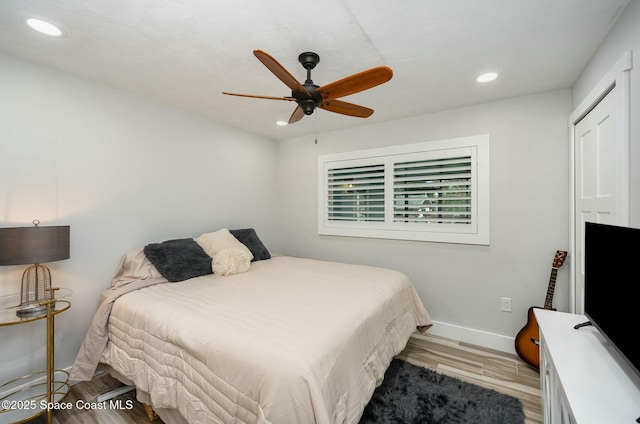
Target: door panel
{"type": "Point", "coordinates": [598, 149]}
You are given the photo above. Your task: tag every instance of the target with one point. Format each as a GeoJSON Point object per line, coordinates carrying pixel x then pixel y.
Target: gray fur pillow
{"type": "Point", "coordinates": [249, 238]}
{"type": "Point", "coordinates": [179, 260]}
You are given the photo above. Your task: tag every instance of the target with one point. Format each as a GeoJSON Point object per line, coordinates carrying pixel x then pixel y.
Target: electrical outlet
{"type": "Point", "coordinates": [505, 304]}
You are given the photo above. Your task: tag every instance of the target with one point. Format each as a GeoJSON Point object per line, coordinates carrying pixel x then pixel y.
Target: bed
{"type": "Point", "coordinates": [288, 340]}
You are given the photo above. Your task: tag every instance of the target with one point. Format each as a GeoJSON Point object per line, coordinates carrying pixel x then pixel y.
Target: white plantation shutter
{"type": "Point", "coordinates": [435, 191]}
{"type": "Point", "coordinates": [356, 193]}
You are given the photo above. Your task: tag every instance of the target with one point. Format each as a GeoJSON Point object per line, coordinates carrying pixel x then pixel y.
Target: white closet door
{"type": "Point", "coordinates": [599, 180]}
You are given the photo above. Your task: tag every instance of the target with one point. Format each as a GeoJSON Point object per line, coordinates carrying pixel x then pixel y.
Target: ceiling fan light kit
{"type": "Point", "coordinates": [309, 96]}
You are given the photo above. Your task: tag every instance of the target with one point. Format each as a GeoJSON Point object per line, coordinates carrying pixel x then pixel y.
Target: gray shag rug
{"type": "Point", "coordinates": [412, 394]}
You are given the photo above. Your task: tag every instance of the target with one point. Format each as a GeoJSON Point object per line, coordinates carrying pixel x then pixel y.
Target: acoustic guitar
{"type": "Point", "coordinates": [527, 340]}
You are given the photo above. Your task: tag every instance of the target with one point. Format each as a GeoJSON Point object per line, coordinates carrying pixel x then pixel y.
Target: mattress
{"type": "Point", "coordinates": [290, 341]}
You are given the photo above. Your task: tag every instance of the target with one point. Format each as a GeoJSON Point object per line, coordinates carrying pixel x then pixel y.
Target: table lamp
{"type": "Point", "coordinates": [34, 245]}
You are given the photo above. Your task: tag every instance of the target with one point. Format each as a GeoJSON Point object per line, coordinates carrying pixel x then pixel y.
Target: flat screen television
{"type": "Point", "coordinates": [612, 287]}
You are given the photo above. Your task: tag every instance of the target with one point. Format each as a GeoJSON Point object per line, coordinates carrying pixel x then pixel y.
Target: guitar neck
{"type": "Point", "coordinates": [548, 301]}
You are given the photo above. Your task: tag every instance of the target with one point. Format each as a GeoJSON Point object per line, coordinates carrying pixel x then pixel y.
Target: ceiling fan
{"type": "Point", "coordinates": [309, 95]}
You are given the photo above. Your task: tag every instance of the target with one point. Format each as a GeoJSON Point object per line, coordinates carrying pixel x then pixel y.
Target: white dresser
{"type": "Point", "coordinates": [582, 381]}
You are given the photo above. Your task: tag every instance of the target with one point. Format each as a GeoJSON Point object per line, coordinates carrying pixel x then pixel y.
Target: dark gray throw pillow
{"type": "Point", "coordinates": [179, 260]}
{"type": "Point", "coordinates": [249, 238]}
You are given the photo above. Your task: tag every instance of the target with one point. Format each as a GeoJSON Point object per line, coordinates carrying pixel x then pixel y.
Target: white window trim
{"type": "Point", "coordinates": [477, 233]}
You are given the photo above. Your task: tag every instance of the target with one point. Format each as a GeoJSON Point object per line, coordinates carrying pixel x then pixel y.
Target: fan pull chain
{"type": "Point", "coordinates": [315, 124]}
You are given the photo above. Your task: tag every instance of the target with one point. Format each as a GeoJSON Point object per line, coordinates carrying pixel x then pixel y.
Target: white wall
{"type": "Point", "coordinates": [122, 171]}
{"type": "Point", "coordinates": [625, 36]}
{"type": "Point", "coordinates": [461, 285]}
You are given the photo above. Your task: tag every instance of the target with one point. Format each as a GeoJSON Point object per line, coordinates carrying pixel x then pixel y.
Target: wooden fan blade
{"type": "Point", "coordinates": [356, 83]}
{"type": "Point", "coordinates": [279, 71]}
{"type": "Point", "coordinates": [338, 106]}
{"type": "Point", "coordinates": [260, 97]}
{"type": "Point", "coordinates": [297, 115]}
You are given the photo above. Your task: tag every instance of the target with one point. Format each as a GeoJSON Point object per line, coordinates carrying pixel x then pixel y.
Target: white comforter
{"type": "Point", "coordinates": [290, 341]}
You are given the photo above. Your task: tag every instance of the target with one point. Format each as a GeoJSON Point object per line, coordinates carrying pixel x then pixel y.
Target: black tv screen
{"type": "Point", "coordinates": [612, 286]}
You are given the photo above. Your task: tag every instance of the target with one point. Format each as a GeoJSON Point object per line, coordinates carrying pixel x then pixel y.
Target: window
{"type": "Point", "coordinates": [434, 191]}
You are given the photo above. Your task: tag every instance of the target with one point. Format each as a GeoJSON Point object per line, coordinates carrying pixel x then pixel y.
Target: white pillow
{"type": "Point", "coordinates": [212, 243]}
{"type": "Point", "coordinates": [230, 261]}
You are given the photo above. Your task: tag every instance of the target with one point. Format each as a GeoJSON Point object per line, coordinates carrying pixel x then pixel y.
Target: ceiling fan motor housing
{"type": "Point", "coordinates": [308, 60]}
{"type": "Point", "coordinates": [306, 103]}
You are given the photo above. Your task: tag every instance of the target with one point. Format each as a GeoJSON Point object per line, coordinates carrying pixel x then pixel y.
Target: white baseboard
{"type": "Point", "coordinates": [473, 336]}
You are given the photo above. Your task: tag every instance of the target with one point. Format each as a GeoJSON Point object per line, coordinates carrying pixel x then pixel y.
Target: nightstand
{"type": "Point", "coordinates": [28, 396]}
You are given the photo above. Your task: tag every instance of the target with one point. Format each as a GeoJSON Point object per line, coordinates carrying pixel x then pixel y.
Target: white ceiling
{"type": "Point", "coordinates": [186, 52]}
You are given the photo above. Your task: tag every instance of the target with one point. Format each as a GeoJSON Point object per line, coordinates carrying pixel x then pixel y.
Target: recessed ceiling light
{"type": "Point", "coordinates": [489, 76]}
{"type": "Point", "coordinates": [282, 123]}
{"type": "Point", "coordinates": [44, 27]}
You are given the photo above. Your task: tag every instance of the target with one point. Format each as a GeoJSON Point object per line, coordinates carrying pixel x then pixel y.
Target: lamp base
{"type": "Point", "coordinates": [34, 310]}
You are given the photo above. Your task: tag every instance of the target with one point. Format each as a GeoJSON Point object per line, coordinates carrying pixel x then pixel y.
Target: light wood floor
{"type": "Point", "coordinates": [485, 367]}
{"type": "Point", "coordinates": [488, 368]}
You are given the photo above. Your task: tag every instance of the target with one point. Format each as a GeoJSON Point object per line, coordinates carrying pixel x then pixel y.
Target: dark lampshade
{"type": "Point", "coordinates": [33, 245]}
